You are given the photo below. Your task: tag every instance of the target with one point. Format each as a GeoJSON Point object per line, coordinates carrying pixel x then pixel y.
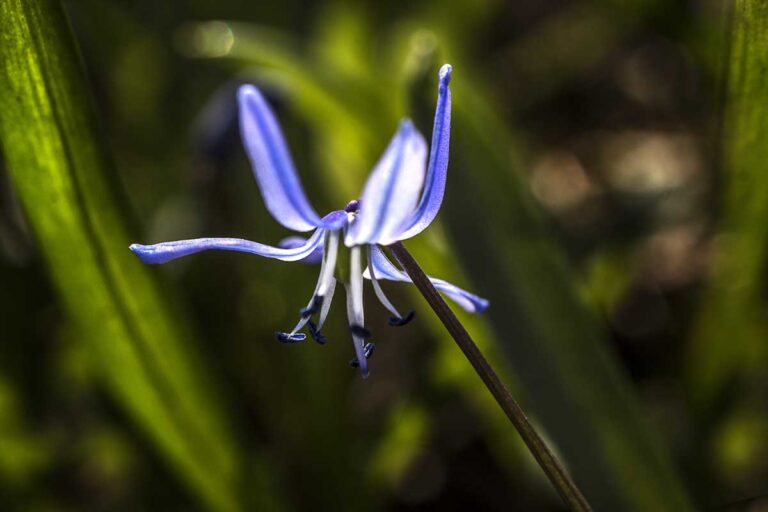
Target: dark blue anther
{"type": "Point", "coordinates": [352, 206]}
{"type": "Point", "coordinates": [399, 322]}
{"type": "Point", "coordinates": [314, 307]}
{"type": "Point", "coordinates": [360, 331]}
{"type": "Point", "coordinates": [368, 349]}
{"type": "Point", "coordinates": [315, 333]}
{"type": "Point", "coordinates": [286, 337]}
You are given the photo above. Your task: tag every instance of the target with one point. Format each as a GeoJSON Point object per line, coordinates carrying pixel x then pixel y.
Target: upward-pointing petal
{"type": "Point", "coordinates": [272, 164]}
{"type": "Point", "coordinates": [392, 190]}
{"type": "Point", "coordinates": [437, 168]}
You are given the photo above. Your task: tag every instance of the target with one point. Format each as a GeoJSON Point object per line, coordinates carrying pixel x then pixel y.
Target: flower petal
{"type": "Point", "coordinates": [384, 269]}
{"type": "Point", "coordinates": [272, 163]}
{"type": "Point", "coordinates": [391, 192]}
{"type": "Point", "coordinates": [437, 168]}
{"type": "Point", "coordinates": [167, 251]}
{"type": "Point", "coordinates": [292, 242]}
{"type": "Point", "coordinates": [334, 221]}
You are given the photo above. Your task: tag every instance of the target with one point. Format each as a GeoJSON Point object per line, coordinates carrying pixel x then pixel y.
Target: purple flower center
{"type": "Point", "coordinates": [353, 206]}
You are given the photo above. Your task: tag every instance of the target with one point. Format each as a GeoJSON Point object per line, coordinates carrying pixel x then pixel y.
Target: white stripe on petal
{"type": "Point", "coordinates": [437, 168]}
{"type": "Point", "coordinates": [392, 191]}
{"type": "Point", "coordinates": [167, 251]}
{"type": "Point", "coordinates": [272, 164]}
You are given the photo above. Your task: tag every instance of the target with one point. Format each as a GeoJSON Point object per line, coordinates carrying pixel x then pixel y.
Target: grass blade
{"type": "Point", "coordinates": [61, 174]}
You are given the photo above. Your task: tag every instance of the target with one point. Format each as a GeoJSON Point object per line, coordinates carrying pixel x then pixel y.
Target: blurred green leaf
{"type": "Point", "coordinates": [23, 451]}
{"type": "Point", "coordinates": [607, 277]}
{"type": "Point", "coordinates": [394, 453]}
{"type": "Point", "coordinates": [729, 339]}
{"type": "Point", "coordinates": [146, 354]}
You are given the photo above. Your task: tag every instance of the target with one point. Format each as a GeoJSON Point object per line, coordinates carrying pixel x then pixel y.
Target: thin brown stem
{"type": "Point", "coordinates": [552, 467]}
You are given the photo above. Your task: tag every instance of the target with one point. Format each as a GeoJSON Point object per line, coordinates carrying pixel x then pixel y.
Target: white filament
{"type": "Point", "coordinates": [377, 287]}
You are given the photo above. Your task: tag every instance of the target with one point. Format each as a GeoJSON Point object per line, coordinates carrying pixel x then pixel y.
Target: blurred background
{"type": "Point", "coordinates": [586, 199]}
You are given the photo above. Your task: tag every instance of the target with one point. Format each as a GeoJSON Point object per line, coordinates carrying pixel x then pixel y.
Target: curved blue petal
{"type": "Point", "coordinates": [437, 168]}
{"type": "Point", "coordinates": [384, 269]}
{"type": "Point", "coordinates": [335, 220]}
{"type": "Point", "coordinates": [292, 242]}
{"type": "Point", "coordinates": [272, 163]}
{"type": "Point", "coordinates": [167, 251]}
{"type": "Point", "coordinates": [469, 301]}
{"type": "Point", "coordinates": [391, 193]}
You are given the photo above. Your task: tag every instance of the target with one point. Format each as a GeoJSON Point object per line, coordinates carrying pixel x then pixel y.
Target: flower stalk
{"type": "Point", "coordinates": [553, 468]}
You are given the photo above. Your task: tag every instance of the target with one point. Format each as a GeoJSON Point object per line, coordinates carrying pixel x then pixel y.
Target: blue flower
{"type": "Point", "coordinates": [399, 201]}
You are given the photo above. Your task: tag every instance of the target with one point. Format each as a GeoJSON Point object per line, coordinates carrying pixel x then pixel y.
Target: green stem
{"type": "Point", "coordinates": [552, 467]}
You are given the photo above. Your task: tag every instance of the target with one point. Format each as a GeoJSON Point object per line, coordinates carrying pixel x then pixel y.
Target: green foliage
{"type": "Point", "coordinates": [728, 353]}
{"type": "Point", "coordinates": [729, 341]}
{"type": "Point", "coordinates": [62, 176]}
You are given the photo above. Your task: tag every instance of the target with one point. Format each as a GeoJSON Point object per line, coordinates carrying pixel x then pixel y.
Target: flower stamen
{"type": "Point", "coordinates": [314, 331]}
{"type": "Point", "coordinates": [324, 287]}
{"type": "Point", "coordinates": [290, 337]}
{"type": "Point", "coordinates": [355, 311]}
{"type": "Point", "coordinates": [397, 320]}
{"type": "Point", "coordinates": [367, 353]}
{"type": "Point", "coordinates": [314, 307]}
{"type": "Point", "coordinates": [326, 304]}
{"type": "Point", "coordinates": [401, 321]}
{"type": "Point", "coordinates": [359, 330]}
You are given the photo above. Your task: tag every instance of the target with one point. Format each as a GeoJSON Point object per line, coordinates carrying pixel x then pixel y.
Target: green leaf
{"type": "Point", "coordinates": [63, 177]}
{"type": "Point", "coordinates": [729, 338]}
